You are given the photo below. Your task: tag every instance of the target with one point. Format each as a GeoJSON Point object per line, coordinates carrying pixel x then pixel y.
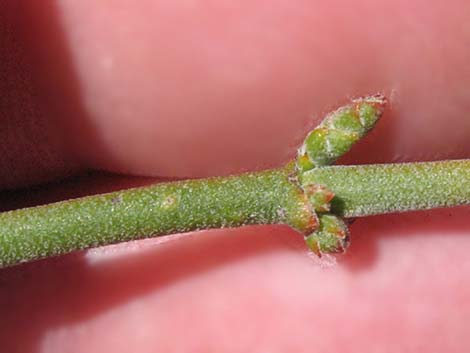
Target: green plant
{"type": "Point", "coordinates": [308, 194]}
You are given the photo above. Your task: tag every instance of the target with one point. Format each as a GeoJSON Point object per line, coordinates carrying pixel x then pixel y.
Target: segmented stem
{"type": "Point", "coordinates": [307, 194]}
{"type": "Point", "coordinates": [385, 188]}
{"type": "Point", "coordinates": [269, 197]}
{"type": "Point", "coordinates": [255, 198]}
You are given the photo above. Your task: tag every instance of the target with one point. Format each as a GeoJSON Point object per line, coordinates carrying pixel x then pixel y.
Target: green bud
{"type": "Point", "coordinates": [319, 197]}
{"type": "Point", "coordinates": [332, 236]}
{"type": "Point", "coordinates": [339, 131]}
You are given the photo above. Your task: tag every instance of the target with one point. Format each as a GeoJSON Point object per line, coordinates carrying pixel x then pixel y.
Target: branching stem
{"type": "Point", "coordinates": [308, 195]}
{"type": "Point", "coordinates": [268, 197]}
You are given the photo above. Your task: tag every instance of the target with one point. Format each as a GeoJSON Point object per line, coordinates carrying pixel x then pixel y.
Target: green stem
{"type": "Point", "coordinates": [268, 197]}
{"type": "Point", "coordinates": [375, 189]}
{"type": "Point", "coordinates": [307, 194]}
{"type": "Point", "coordinates": [256, 198]}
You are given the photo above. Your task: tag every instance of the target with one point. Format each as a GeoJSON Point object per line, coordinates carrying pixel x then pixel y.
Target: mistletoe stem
{"type": "Point", "coordinates": [307, 195]}
{"type": "Point", "coordinates": [386, 188]}
{"type": "Point", "coordinates": [268, 197]}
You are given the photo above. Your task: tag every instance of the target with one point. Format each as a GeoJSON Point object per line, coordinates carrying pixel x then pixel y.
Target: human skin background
{"type": "Point", "coordinates": [199, 88]}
